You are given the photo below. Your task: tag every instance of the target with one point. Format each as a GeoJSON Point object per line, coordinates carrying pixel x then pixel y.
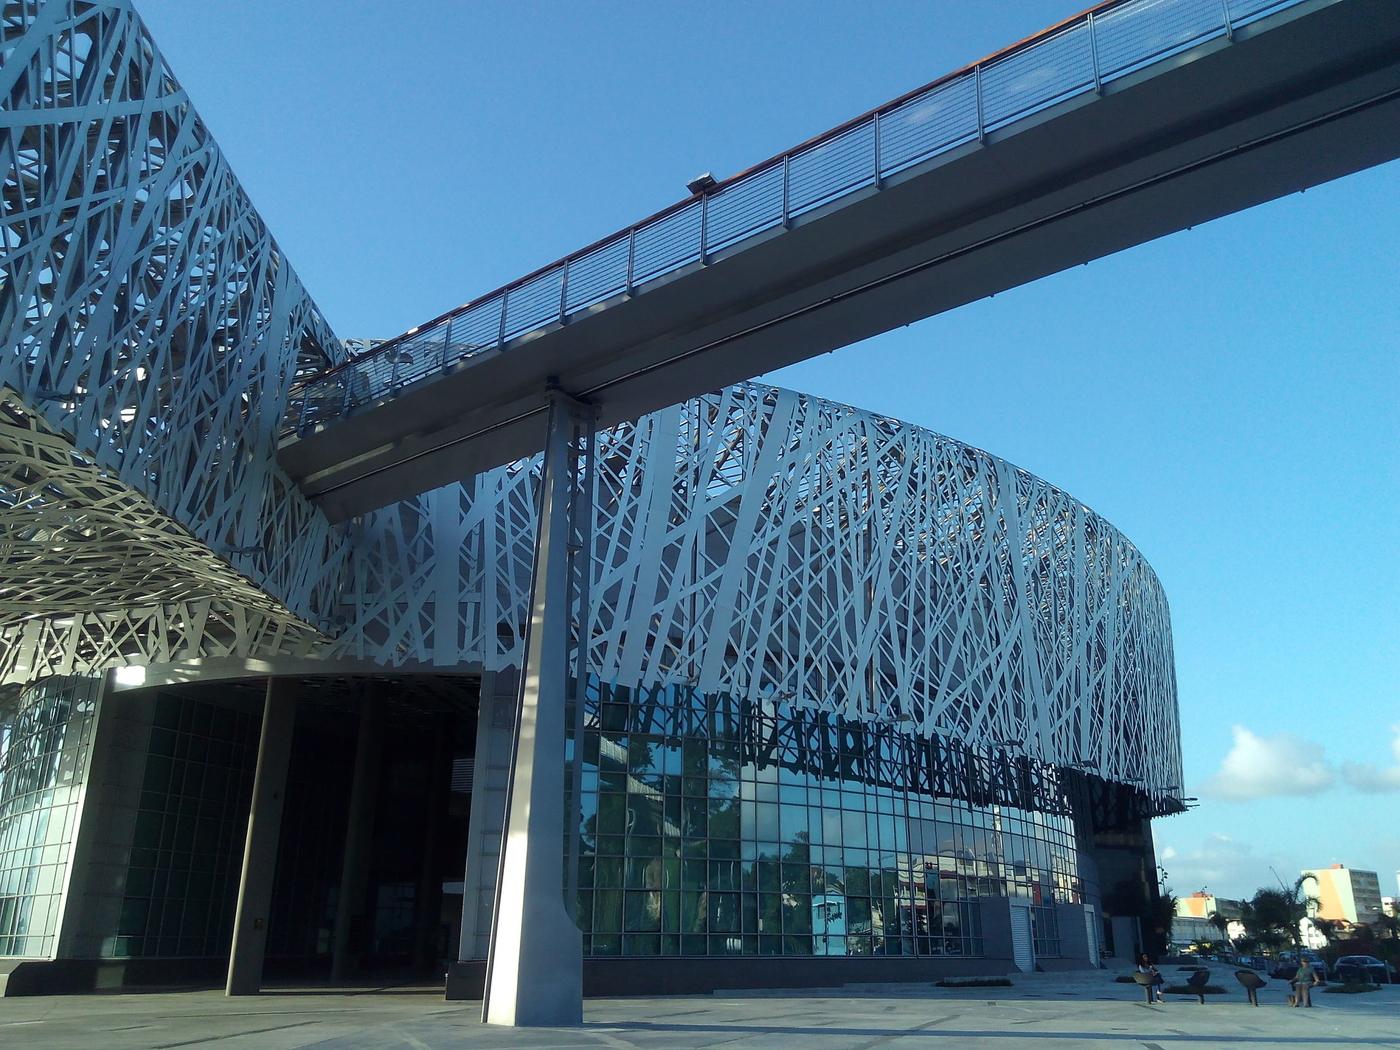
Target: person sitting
{"type": "Point", "coordinates": [1303, 981]}
{"type": "Point", "coordinates": [1145, 967]}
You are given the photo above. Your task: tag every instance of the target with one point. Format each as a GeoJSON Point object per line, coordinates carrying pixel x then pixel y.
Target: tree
{"type": "Point", "coordinates": [1273, 916]}
{"type": "Point", "coordinates": [1390, 925]}
{"type": "Point", "coordinates": [1160, 914]}
{"type": "Point", "coordinates": [1222, 924]}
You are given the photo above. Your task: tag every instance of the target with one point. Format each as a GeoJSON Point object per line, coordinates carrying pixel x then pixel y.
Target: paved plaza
{"type": "Point", "coordinates": [1042, 1010]}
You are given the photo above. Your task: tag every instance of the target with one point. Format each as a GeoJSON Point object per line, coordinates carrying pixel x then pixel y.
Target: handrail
{"type": "Point", "coordinates": [1080, 54]}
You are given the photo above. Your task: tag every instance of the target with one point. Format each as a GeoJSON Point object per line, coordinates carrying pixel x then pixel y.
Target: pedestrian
{"type": "Point", "coordinates": [1303, 981]}
{"type": "Point", "coordinates": [1145, 966]}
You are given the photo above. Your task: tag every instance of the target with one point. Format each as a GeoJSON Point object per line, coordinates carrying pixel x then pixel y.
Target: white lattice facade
{"type": "Point", "coordinates": [149, 323]}
{"type": "Point", "coordinates": [777, 547]}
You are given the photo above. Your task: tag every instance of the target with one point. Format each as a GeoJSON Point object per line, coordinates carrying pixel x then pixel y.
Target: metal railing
{"type": "Point", "coordinates": [1112, 40]}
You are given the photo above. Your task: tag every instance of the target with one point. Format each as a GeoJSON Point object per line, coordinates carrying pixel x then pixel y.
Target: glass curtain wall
{"type": "Point", "coordinates": [187, 845]}
{"type": "Point", "coordinates": [44, 749]}
{"type": "Point", "coordinates": [708, 828]}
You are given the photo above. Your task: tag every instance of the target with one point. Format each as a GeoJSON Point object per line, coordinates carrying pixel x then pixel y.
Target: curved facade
{"type": "Point", "coordinates": [869, 668]}
{"type": "Point", "coordinates": [850, 681]}
{"type": "Point", "coordinates": [779, 548]}
{"type": "Point", "coordinates": [853, 689]}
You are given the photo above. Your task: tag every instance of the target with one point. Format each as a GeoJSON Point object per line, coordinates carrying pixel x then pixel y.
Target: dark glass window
{"type": "Point", "coordinates": [713, 829]}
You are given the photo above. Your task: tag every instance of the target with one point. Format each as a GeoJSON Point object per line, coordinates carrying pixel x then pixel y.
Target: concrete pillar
{"type": "Point", "coordinates": [359, 836]}
{"type": "Point", "coordinates": [486, 822]}
{"type": "Point", "coordinates": [534, 971]}
{"type": "Point", "coordinates": [245, 962]}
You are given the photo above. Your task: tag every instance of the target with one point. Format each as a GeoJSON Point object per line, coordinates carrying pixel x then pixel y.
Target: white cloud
{"type": "Point", "coordinates": [1221, 865]}
{"type": "Point", "coordinates": [1365, 777]}
{"type": "Point", "coordinates": [1270, 766]}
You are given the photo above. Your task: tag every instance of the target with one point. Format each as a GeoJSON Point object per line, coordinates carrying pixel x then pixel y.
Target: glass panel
{"type": "Point", "coordinates": [182, 874]}
{"type": "Point", "coordinates": [746, 843]}
{"type": "Point", "coordinates": [724, 818]}
{"type": "Point", "coordinates": [643, 911]}
{"type": "Point", "coordinates": [724, 912]}
{"type": "Point", "coordinates": [44, 748]}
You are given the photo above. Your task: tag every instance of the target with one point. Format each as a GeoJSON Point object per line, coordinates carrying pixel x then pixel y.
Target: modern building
{"type": "Point", "coordinates": [1194, 914]}
{"type": "Point", "coordinates": [851, 700]}
{"type": "Point", "coordinates": [858, 721]}
{"type": "Point", "coordinates": [1345, 894]}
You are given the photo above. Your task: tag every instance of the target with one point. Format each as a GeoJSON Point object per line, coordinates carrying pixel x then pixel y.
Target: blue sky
{"type": "Point", "coordinates": [1226, 396]}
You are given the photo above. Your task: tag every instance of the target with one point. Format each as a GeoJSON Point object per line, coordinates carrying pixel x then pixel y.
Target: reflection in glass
{"type": "Point", "coordinates": [715, 827]}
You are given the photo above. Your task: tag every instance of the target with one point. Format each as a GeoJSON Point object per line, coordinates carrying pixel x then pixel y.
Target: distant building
{"type": "Point", "coordinates": [1192, 921]}
{"type": "Point", "coordinates": [1346, 894]}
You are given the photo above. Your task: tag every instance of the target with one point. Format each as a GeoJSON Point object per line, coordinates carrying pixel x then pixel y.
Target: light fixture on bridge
{"type": "Point", "coordinates": [702, 183]}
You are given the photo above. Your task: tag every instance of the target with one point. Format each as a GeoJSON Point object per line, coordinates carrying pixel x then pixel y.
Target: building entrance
{"type": "Point", "coordinates": [369, 862]}
{"type": "Point", "coordinates": [318, 823]}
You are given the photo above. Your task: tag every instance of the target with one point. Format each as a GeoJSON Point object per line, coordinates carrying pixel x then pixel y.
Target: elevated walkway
{"type": "Point", "coordinates": [1131, 121]}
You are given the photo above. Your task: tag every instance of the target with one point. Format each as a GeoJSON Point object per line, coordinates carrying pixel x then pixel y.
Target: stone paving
{"type": "Point", "coordinates": [1042, 1010]}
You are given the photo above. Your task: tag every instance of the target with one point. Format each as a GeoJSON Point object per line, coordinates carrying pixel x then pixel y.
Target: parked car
{"type": "Point", "coordinates": [1363, 968]}
{"type": "Point", "coordinates": [1287, 967]}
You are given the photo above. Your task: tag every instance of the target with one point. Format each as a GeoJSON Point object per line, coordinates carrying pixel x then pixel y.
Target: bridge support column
{"type": "Point", "coordinates": [534, 968]}
{"type": "Point", "coordinates": [245, 960]}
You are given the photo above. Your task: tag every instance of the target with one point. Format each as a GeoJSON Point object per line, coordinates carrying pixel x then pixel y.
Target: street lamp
{"type": "Point", "coordinates": [702, 183]}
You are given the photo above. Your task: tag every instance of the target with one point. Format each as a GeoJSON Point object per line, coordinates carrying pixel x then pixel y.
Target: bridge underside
{"type": "Point", "coordinates": [1233, 124]}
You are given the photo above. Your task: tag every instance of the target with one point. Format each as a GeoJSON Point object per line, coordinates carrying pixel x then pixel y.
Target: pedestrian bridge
{"type": "Point", "coordinates": [1130, 121]}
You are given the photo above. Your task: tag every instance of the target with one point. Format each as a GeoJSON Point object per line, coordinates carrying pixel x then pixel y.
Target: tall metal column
{"type": "Point", "coordinates": [245, 959]}
{"type": "Point", "coordinates": [534, 969]}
